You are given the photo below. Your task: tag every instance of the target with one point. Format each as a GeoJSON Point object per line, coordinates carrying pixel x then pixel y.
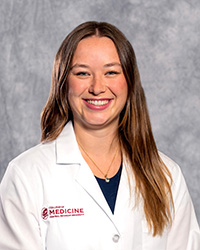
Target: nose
{"type": "Point", "coordinates": [97, 86]}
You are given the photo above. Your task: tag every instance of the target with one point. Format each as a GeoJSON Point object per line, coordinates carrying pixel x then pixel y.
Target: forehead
{"type": "Point", "coordinates": [96, 47]}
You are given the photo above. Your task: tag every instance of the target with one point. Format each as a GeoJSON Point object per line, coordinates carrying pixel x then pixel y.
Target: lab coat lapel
{"type": "Point", "coordinates": [88, 182]}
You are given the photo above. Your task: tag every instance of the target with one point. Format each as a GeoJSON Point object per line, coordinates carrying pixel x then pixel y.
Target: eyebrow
{"type": "Point", "coordinates": [77, 65]}
{"type": "Point", "coordinates": [112, 64]}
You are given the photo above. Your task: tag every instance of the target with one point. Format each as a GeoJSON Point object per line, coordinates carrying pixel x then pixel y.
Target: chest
{"type": "Point", "coordinates": [75, 215]}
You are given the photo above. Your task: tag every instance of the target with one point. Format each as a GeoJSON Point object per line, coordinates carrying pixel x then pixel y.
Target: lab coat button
{"type": "Point", "coordinates": [116, 238]}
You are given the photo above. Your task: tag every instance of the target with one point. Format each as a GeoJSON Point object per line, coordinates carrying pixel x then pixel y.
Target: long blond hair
{"type": "Point", "coordinates": [135, 133]}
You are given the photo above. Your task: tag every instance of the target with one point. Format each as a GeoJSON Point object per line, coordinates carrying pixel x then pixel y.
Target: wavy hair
{"type": "Point", "coordinates": [153, 179]}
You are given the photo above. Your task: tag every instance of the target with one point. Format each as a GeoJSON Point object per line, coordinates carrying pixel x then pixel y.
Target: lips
{"type": "Point", "coordinates": [97, 104]}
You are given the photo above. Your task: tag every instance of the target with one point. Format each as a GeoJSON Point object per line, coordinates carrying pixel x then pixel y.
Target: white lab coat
{"type": "Point", "coordinates": [51, 200]}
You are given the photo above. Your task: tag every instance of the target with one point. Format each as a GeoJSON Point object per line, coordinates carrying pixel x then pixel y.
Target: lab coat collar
{"type": "Point", "coordinates": [67, 151]}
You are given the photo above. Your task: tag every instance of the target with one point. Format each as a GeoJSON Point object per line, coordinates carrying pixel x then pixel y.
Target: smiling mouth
{"type": "Point", "coordinates": [97, 102]}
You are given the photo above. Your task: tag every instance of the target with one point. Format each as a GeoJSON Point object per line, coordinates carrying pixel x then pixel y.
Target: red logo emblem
{"type": "Point", "coordinates": [45, 213]}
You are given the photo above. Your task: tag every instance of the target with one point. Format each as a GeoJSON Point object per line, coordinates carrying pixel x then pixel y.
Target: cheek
{"type": "Point", "coordinates": [75, 88]}
{"type": "Point", "coordinates": [121, 88]}
{"type": "Point", "coordinates": [72, 87]}
{"type": "Point", "coordinates": [71, 92]}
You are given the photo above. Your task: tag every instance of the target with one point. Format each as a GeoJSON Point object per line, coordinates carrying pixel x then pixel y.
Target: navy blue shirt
{"type": "Point", "coordinates": [110, 188]}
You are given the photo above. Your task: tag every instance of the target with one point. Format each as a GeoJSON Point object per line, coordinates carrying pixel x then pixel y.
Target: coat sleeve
{"type": "Point", "coordinates": [184, 233]}
{"type": "Point", "coordinates": [19, 225]}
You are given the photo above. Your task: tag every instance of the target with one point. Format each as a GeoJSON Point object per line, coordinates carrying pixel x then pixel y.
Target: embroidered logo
{"type": "Point", "coordinates": [60, 211]}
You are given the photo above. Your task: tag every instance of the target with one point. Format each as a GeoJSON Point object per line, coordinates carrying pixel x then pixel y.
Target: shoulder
{"type": "Point", "coordinates": [28, 166]}
{"type": "Point", "coordinates": [44, 156]}
{"type": "Point", "coordinates": [179, 188]}
{"type": "Point", "coordinates": [172, 166]}
{"type": "Point", "coordinates": [36, 154]}
{"type": "Point", "coordinates": [23, 172]}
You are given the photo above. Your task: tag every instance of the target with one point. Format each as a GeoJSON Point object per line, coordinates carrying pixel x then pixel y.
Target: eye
{"type": "Point", "coordinates": [82, 73]}
{"type": "Point", "coordinates": [112, 72]}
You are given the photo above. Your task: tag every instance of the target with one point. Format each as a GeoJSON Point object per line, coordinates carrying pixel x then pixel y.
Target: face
{"type": "Point", "coordinates": [97, 86]}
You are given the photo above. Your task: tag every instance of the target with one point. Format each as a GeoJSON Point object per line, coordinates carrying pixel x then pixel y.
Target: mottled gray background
{"type": "Point", "coordinates": [166, 38]}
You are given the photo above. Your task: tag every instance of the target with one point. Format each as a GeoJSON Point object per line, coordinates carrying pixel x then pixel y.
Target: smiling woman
{"type": "Point", "coordinates": [97, 85]}
{"type": "Point", "coordinates": [97, 180]}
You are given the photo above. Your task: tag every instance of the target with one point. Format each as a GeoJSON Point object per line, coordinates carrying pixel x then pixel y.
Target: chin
{"type": "Point", "coordinates": [100, 123]}
{"type": "Point", "coordinates": [96, 124]}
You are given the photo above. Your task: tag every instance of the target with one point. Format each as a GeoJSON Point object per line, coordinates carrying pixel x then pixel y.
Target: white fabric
{"type": "Point", "coordinates": [42, 188]}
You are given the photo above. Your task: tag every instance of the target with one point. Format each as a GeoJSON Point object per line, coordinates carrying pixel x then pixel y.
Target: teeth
{"type": "Point", "coordinates": [97, 103]}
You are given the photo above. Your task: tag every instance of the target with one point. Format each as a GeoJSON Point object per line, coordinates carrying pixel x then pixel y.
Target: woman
{"type": "Point", "coordinates": [97, 180]}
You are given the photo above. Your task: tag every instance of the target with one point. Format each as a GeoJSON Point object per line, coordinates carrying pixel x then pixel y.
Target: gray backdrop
{"type": "Point", "coordinates": [166, 39]}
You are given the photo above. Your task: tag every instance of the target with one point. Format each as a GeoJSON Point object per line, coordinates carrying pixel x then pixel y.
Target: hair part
{"type": "Point", "coordinates": [135, 133]}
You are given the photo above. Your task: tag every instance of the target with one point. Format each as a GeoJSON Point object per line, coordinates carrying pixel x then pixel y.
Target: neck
{"type": "Point", "coordinates": [100, 149]}
{"type": "Point", "coordinates": [101, 141]}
